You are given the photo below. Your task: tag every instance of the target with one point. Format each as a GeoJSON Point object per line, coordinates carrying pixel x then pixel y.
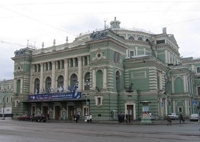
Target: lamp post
{"type": "Point", "coordinates": [3, 117]}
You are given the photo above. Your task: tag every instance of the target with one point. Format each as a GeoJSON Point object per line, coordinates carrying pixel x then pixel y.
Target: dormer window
{"type": "Point", "coordinates": [140, 39]}
{"type": "Point", "coordinates": [131, 38]}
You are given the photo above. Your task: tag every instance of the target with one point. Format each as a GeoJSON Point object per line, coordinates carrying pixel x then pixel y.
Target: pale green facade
{"type": "Point", "coordinates": [110, 61]}
{"type": "Point", "coordinates": [6, 98]}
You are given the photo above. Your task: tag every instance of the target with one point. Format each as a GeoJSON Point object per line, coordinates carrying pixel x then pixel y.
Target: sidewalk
{"type": "Point", "coordinates": [135, 122]}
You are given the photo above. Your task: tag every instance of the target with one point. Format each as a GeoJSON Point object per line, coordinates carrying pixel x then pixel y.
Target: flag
{"type": "Point", "coordinates": [60, 89]}
{"type": "Point", "coordinates": [48, 89]}
{"type": "Point", "coordinates": [36, 91]}
{"type": "Point", "coordinates": [69, 88]}
{"type": "Point", "coordinates": [75, 90]}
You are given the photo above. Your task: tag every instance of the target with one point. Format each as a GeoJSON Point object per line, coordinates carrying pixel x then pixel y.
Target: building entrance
{"type": "Point", "coordinates": [130, 111]}
{"type": "Point", "coordinates": [70, 112]}
{"type": "Point", "coordinates": [57, 112]}
{"type": "Point", "coordinates": [45, 110]}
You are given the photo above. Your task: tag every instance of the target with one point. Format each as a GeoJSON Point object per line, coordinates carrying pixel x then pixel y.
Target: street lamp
{"type": "Point", "coordinates": [3, 117]}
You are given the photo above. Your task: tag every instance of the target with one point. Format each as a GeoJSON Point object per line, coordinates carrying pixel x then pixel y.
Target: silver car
{"type": "Point", "coordinates": [194, 117]}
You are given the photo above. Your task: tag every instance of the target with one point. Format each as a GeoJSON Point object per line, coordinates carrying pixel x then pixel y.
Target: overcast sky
{"type": "Point", "coordinates": [40, 21]}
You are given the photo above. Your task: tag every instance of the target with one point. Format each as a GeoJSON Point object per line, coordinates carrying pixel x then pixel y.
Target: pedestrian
{"type": "Point", "coordinates": [126, 118]}
{"type": "Point", "coordinates": [181, 118]}
{"type": "Point", "coordinates": [119, 115]}
{"type": "Point", "coordinates": [47, 116]}
{"type": "Point", "coordinates": [169, 121]}
{"type": "Point", "coordinates": [90, 118]}
{"type": "Point", "coordinates": [129, 118]}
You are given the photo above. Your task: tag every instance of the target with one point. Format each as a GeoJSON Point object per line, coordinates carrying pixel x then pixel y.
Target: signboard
{"type": "Point", "coordinates": [55, 96]}
{"type": "Point", "coordinates": [145, 108]}
{"type": "Point", "coordinates": [195, 103]}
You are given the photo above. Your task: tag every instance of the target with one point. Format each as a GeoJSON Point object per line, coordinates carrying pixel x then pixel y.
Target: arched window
{"type": "Point", "coordinates": [140, 39]}
{"type": "Point", "coordinates": [18, 87]}
{"type": "Point", "coordinates": [48, 85]}
{"type": "Point", "coordinates": [87, 81]}
{"type": "Point", "coordinates": [60, 81]}
{"type": "Point", "coordinates": [99, 79]}
{"type": "Point", "coordinates": [147, 40]}
{"type": "Point", "coordinates": [117, 81]}
{"type": "Point", "coordinates": [60, 84]}
{"type": "Point", "coordinates": [37, 86]}
{"type": "Point", "coordinates": [73, 80]}
{"type": "Point", "coordinates": [7, 100]}
{"type": "Point", "coordinates": [131, 38]}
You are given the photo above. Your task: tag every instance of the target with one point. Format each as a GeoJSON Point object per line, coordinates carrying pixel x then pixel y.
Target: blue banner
{"type": "Point", "coordinates": [55, 96]}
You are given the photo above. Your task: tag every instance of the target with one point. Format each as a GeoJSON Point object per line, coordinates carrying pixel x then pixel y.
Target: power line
{"type": "Point", "coordinates": [193, 10]}
{"type": "Point", "coordinates": [180, 22]}
{"type": "Point", "coordinates": [8, 42]}
{"type": "Point", "coordinates": [37, 20]}
{"type": "Point", "coordinates": [120, 1]}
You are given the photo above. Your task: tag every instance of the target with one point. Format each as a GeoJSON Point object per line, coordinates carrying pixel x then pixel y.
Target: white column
{"type": "Point", "coordinates": [80, 73]}
{"type": "Point", "coordinates": [93, 79]}
{"type": "Point", "coordinates": [73, 64]}
{"type": "Point", "coordinates": [174, 107]}
{"type": "Point", "coordinates": [172, 84]}
{"type": "Point", "coordinates": [186, 108]}
{"type": "Point", "coordinates": [88, 60]}
{"type": "Point", "coordinates": [41, 77]}
{"type": "Point", "coordinates": [127, 53]}
{"type": "Point", "coordinates": [104, 78]}
{"type": "Point", "coordinates": [136, 51]}
{"type": "Point", "coordinates": [166, 106]}
{"type": "Point", "coordinates": [15, 85]}
{"type": "Point", "coordinates": [184, 83]}
{"type": "Point", "coordinates": [83, 62]}
{"type": "Point", "coordinates": [53, 75]}
{"type": "Point", "coordinates": [21, 87]}
{"type": "Point", "coordinates": [66, 74]}
{"type": "Point", "coordinates": [31, 81]}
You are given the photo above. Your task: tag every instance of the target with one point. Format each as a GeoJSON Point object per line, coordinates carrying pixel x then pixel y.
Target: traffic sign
{"type": "Point", "coordinates": [195, 103]}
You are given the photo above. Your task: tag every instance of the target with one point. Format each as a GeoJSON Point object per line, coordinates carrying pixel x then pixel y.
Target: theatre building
{"type": "Point", "coordinates": [104, 73]}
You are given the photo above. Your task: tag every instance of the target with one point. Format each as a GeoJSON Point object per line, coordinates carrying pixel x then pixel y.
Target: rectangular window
{"type": "Point", "coordinates": [131, 53]}
{"type": "Point", "coordinates": [198, 91]}
{"type": "Point", "coordinates": [99, 101]}
{"type": "Point", "coordinates": [198, 69]}
{"type": "Point", "coordinates": [160, 41]}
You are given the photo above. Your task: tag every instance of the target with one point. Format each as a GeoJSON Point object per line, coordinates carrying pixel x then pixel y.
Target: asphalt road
{"type": "Point", "coordinates": [25, 131]}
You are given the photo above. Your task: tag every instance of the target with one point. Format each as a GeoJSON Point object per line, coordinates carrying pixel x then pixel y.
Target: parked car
{"type": "Point", "coordinates": [173, 116]}
{"type": "Point", "coordinates": [194, 117]}
{"type": "Point", "coordinates": [24, 117]}
{"type": "Point", "coordinates": [38, 118]}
